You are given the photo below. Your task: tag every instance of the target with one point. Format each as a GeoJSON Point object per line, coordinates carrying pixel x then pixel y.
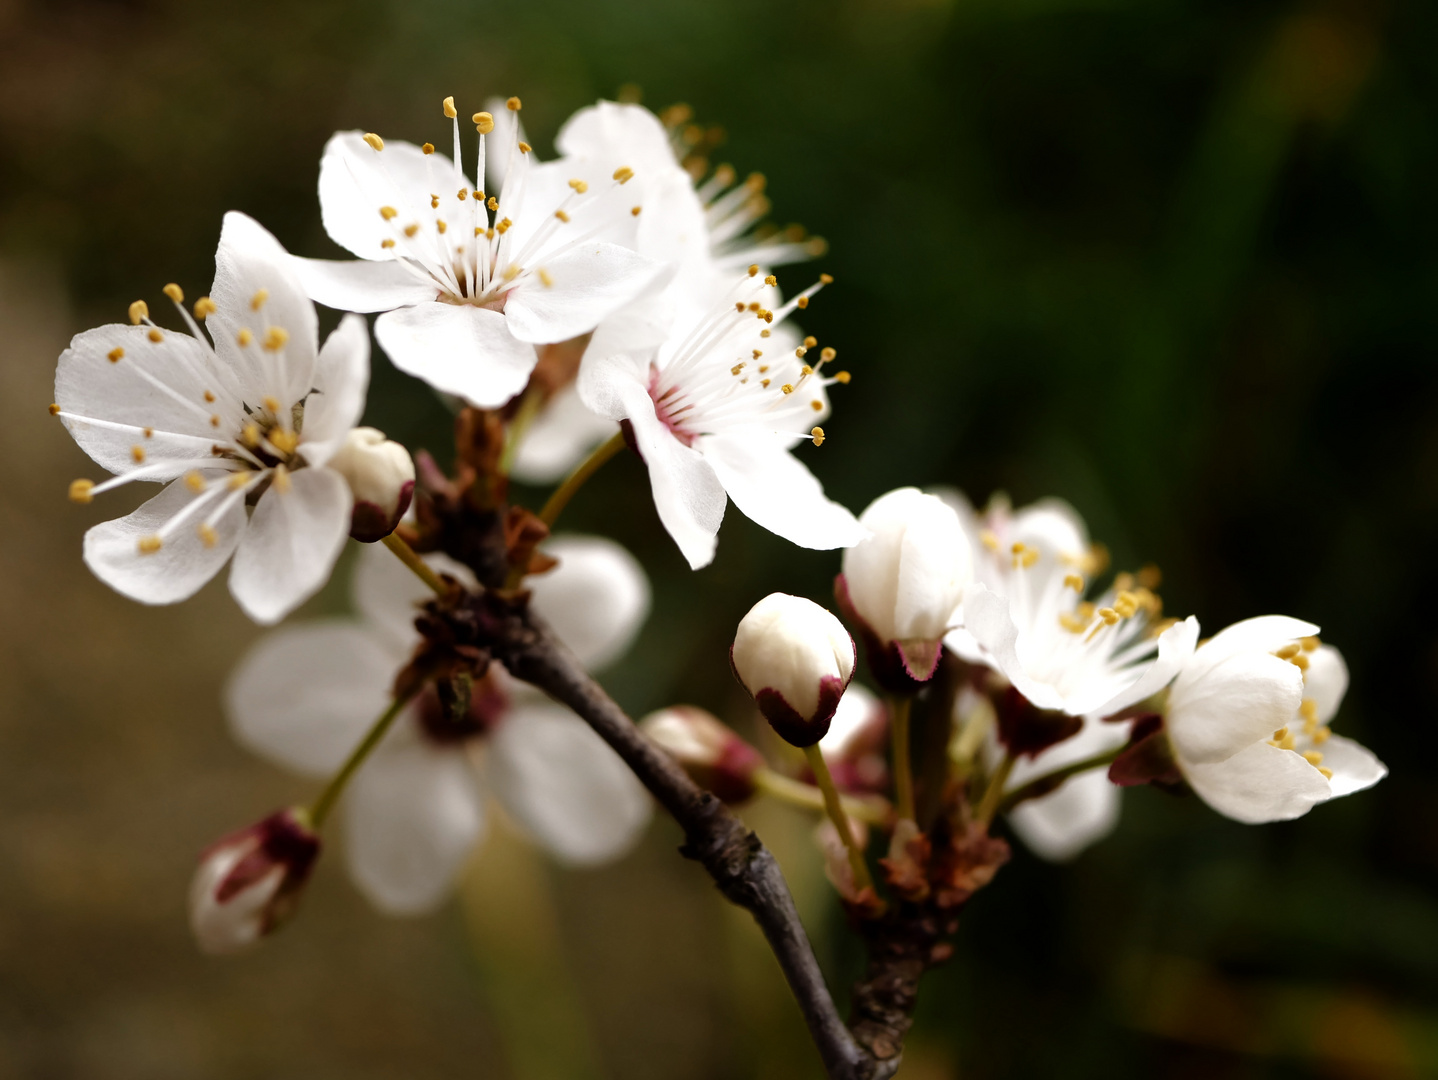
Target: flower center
{"type": "Point", "coordinates": [488, 703]}
{"type": "Point", "coordinates": [1307, 733]}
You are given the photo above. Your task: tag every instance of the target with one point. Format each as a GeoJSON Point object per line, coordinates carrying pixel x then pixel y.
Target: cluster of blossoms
{"type": "Point", "coordinates": [621, 295]}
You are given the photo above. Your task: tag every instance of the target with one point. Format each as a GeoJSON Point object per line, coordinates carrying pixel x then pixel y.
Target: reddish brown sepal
{"type": "Point", "coordinates": [279, 840]}
{"type": "Point", "coordinates": [369, 523]}
{"type": "Point", "coordinates": [966, 864]}
{"type": "Point", "coordinates": [888, 663]}
{"type": "Point", "coordinates": [785, 719]}
{"type": "Point", "coordinates": [731, 778]}
{"type": "Point", "coordinates": [907, 866]}
{"type": "Point", "coordinates": [1148, 758]}
{"type": "Point", "coordinates": [523, 533]}
{"type": "Point", "coordinates": [1025, 730]}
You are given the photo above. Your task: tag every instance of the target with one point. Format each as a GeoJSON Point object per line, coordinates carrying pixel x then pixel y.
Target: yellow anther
{"type": "Point", "coordinates": [1150, 577]}
{"type": "Point", "coordinates": [149, 432]}
{"type": "Point", "coordinates": [755, 182]}
{"type": "Point", "coordinates": [204, 307]}
{"type": "Point", "coordinates": [276, 337]}
{"type": "Point", "coordinates": [843, 377]}
{"type": "Point", "coordinates": [54, 409]}
{"type": "Point", "coordinates": [375, 142]}
{"type": "Point", "coordinates": [284, 440]}
{"type": "Point", "coordinates": [676, 115]}
{"type": "Point", "coordinates": [737, 368]}
{"type": "Point", "coordinates": [828, 354]}
{"type": "Point", "coordinates": [175, 293]}
{"type": "Point", "coordinates": [148, 545]}
{"type": "Point", "coordinates": [802, 302]}
{"type": "Point", "coordinates": [115, 354]}
{"type": "Point", "coordinates": [989, 540]}
{"type": "Point", "coordinates": [434, 202]}
{"type": "Point", "coordinates": [1308, 709]}
{"type": "Point", "coordinates": [1300, 661]}
{"type": "Point", "coordinates": [195, 482]}
{"type": "Point", "coordinates": [1327, 772]}
{"type": "Point", "coordinates": [624, 174]}
{"type": "Point", "coordinates": [1074, 582]}
{"type": "Point", "coordinates": [514, 104]}
{"type": "Point", "coordinates": [562, 216]}
{"type": "Point", "coordinates": [826, 279]}
{"type": "Point", "coordinates": [410, 230]}
{"type": "Point", "coordinates": [155, 335]}
{"type": "Point", "coordinates": [1108, 615]}
{"type": "Point", "coordinates": [524, 147]}
{"type": "Point", "coordinates": [483, 122]}
{"type": "Point", "coordinates": [427, 148]}
{"type": "Point", "coordinates": [389, 213]}
{"type": "Point", "coordinates": [489, 233]}
{"type": "Point", "coordinates": [1288, 651]}
{"type": "Point", "coordinates": [634, 211]}
{"type": "Point", "coordinates": [765, 383]}
{"type": "Point", "coordinates": [810, 342]}
{"type": "Point", "coordinates": [816, 405]}
{"type": "Point", "coordinates": [441, 226]}
{"type": "Point", "coordinates": [271, 403]}
{"type": "Point", "coordinates": [1309, 643]}
{"type": "Point", "coordinates": [258, 300]}
{"type": "Point", "coordinates": [239, 479]}
{"type": "Point", "coordinates": [503, 226]}
{"type": "Point", "coordinates": [546, 277]}
{"type": "Point", "coordinates": [788, 388]}
{"type": "Point", "coordinates": [139, 312]}
{"type": "Point", "coordinates": [754, 270]}
{"type": "Point", "coordinates": [1313, 757]}
{"type": "Point", "coordinates": [207, 534]}
{"type": "Point", "coordinates": [282, 479]}
{"type": "Point", "coordinates": [386, 244]}
{"type": "Point", "coordinates": [806, 370]}
{"type": "Point", "coordinates": [250, 435]}
{"type": "Point", "coordinates": [493, 203]}
{"type": "Point", "coordinates": [1283, 739]}
{"type": "Point", "coordinates": [450, 112]}
{"type": "Point", "coordinates": [1072, 623]}
{"type": "Point", "coordinates": [818, 436]}
{"type": "Point", "coordinates": [1126, 604]}
{"type": "Point", "coordinates": [1321, 736]}
{"type": "Point", "coordinates": [462, 194]}
{"type": "Point", "coordinates": [512, 272]}
{"type": "Point", "coordinates": [771, 280]}
{"type": "Point", "coordinates": [758, 353]}
{"type": "Point", "coordinates": [80, 491]}
{"type": "Point", "coordinates": [215, 420]}
{"type": "Point", "coordinates": [138, 454]}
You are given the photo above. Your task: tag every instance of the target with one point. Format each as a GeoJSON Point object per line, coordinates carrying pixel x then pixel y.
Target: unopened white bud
{"type": "Point", "coordinates": [796, 660]}
{"type": "Point", "coordinates": [906, 582]}
{"type": "Point", "coordinates": [708, 749]}
{"type": "Point", "coordinates": [380, 474]}
{"type": "Point", "coordinates": [248, 883]}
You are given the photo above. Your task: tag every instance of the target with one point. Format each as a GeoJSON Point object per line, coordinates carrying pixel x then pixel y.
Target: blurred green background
{"type": "Point", "coordinates": [1173, 261]}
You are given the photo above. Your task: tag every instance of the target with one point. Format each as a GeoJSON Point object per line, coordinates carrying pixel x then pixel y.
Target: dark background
{"type": "Point", "coordinates": [1172, 261]}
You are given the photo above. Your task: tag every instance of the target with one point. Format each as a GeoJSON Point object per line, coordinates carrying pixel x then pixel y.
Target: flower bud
{"type": "Point", "coordinates": [381, 477]}
{"type": "Point", "coordinates": [854, 746]}
{"type": "Point", "coordinates": [250, 881]}
{"type": "Point", "coordinates": [903, 586]}
{"type": "Point", "coordinates": [709, 750]}
{"type": "Point", "coordinates": [796, 660]}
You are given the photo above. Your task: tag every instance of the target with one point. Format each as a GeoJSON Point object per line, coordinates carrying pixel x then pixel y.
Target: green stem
{"type": "Point", "coordinates": [575, 480]}
{"type": "Point", "coordinates": [990, 803]}
{"type": "Point", "coordinates": [796, 793]}
{"type": "Point", "coordinates": [529, 407]}
{"type": "Point", "coordinates": [407, 555]}
{"type": "Point", "coordinates": [834, 805]}
{"type": "Point", "coordinates": [1042, 784]}
{"type": "Point", "coordinates": [335, 788]}
{"type": "Point", "coordinates": [903, 768]}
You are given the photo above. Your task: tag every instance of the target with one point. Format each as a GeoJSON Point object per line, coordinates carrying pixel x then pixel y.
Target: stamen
{"type": "Point", "coordinates": [1288, 652]}
{"type": "Point", "coordinates": [1313, 757]}
{"type": "Point", "coordinates": [139, 312]}
{"type": "Point", "coordinates": [195, 482]}
{"type": "Point", "coordinates": [80, 491]}
{"type": "Point", "coordinates": [138, 453]}
{"type": "Point", "coordinates": [54, 409]}
{"type": "Point", "coordinates": [204, 307]}
{"type": "Point", "coordinates": [513, 104]}
{"type": "Point", "coordinates": [450, 112]}
{"type": "Point", "coordinates": [148, 545]}
{"type": "Point", "coordinates": [1309, 643]}
{"type": "Point", "coordinates": [483, 122]}
{"type": "Point", "coordinates": [115, 354]}
{"type": "Point", "coordinates": [1074, 582]}
{"type": "Point", "coordinates": [389, 213]}
{"type": "Point", "coordinates": [817, 434]}
{"type": "Point", "coordinates": [375, 142]}
{"type": "Point", "coordinates": [174, 292]}
{"type": "Point", "coordinates": [427, 148]}
{"type": "Point", "coordinates": [546, 277]}
{"type": "Point", "coordinates": [155, 335]}
{"type": "Point", "coordinates": [989, 540]}
{"type": "Point", "coordinates": [207, 534]}
{"type": "Point", "coordinates": [282, 480]}
{"type": "Point", "coordinates": [258, 300]}
{"type": "Point", "coordinates": [244, 337]}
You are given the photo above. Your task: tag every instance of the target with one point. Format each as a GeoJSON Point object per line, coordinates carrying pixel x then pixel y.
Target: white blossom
{"type": "Point", "coordinates": [716, 412]}
{"type": "Point", "coordinates": [1248, 722]}
{"type": "Point", "coordinates": [242, 431]}
{"type": "Point", "coordinates": [380, 474]}
{"type": "Point", "coordinates": [796, 660]}
{"type": "Point", "coordinates": [906, 582]}
{"type": "Point", "coordinates": [304, 696]}
{"type": "Point", "coordinates": [470, 281]}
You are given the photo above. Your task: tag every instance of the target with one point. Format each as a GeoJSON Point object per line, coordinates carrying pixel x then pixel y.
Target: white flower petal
{"type": "Point", "coordinates": [776, 490]}
{"type": "Point", "coordinates": [1061, 824]}
{"type": "Point", "coordinates": [1230, 705]}
{"type": "Point", "coordinates": [412, 816]}
{"type": "Point", "coordinates": [341, 380]}
{"type": "Point", "coordinates": [183, 563]}
{"type": "Point", "coordinates": [304, 696]}
{"type": "Point", "coordinates": [249, 260]}
{"type": "Point", "coordinates": [596, 599]}
{"type": "Point", "coordinates": [356, 181]}
{"type": "Point", "coordinates": [987, 619]}
{"type": "Point", "coordinates": [564, 786]}
{"type": "Point", "coordinates": [559, 438]}
{"type": "Point", "coordinates": [609, 129]}
{"type": "Point", "coordinates": [1326, 681]}
{"type": "Point", "coordinates": [1259, 784]}
{"type": "Point", "coordinates": [363, 286]}
{"type": "Point", "coordinates": [607, 383]}
{"type": "Point", "coordinates": [291, 545]}
{"type": "Point", "coordinates": [1264, 633]}
{"type": "Point", "coordinates": [459, 349]}
{"type": "Point", "coordinates": [119, 400]}
{"type": "Point", "coordinates": [1353, 765]}
{"type": "Point", "coordinates": [1175, 647]}
{"type": "Point", "coordinates": [589, 282]}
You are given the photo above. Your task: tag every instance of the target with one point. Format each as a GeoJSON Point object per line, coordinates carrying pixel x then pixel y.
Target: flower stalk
{"type": "Point", "coordinates": [796, 793]}
{"type": "Point", "coordinates": [411, 559]}
{"type": "Point", "coordinates": [903, 767]}
{"type": "Point", "coordinates": [577, 479]}
{"type": "Point", "coordinates": [834, 806]}
{"type": "Point", "coordinates": [320, 811]}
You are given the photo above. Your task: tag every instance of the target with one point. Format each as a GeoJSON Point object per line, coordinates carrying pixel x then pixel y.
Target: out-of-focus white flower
{"type": "Point", "coordinates": [242, 431]}
{"type": "Point", "coordinates": [1026, 617]}
{"type": "Point", "coordinates": [1247, 720]}
{"type": "Point", "coordinates": [305, 695]}
{"type": "Point", "coordinates": [250, 881]}
{"type": "Point", "coordinates": [715, 413]}
{"type": "Point", "coordinates": [796, 660]}
{"type": "Point", "coordinates": [380, 474]}
{"type": "Point", "coordinates": [710, 751]}
{"type": "Point", "coordinates": [470, 282]}
{"type": "Point", "coordinates": [854, 745]}
{"type": "Point", "coordinates": [904, 584]}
